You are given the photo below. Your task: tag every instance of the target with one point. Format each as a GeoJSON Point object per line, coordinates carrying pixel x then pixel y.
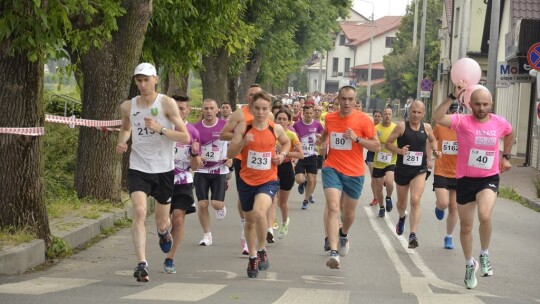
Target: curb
{"type": "Point", "coordinates": [18, 259]}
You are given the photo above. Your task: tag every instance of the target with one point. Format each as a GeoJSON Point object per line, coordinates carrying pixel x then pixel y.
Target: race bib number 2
{"type": "Point", "coordinates": [259, 160]}
{"type": "Point", "coordinates": [339, 142]}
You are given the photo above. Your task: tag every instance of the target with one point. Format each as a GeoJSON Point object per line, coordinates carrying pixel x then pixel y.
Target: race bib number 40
{"type": "Point", "coordinates": [413, 158]}
{"type": "Point", "coordinates": [259, 160]}
{"type": "Point", "coordinates": [339, 142]}
{"type": "Point", "coordinates": [481, 159]}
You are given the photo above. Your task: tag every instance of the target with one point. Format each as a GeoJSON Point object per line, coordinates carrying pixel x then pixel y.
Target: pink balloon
{"type": "Point", "coordinates": [468, 92]}
{"type": "Point", "coordinates": [466, 69]}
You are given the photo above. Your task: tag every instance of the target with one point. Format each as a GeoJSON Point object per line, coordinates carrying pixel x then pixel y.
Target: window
{"type": "Point", "coordinates": [347, 66]}
{"type": "Point", "coordinates": [390, 42]}
{"type": "Point", "coordinates": [335, 63]}
{"type": "Point", "coordinates": [341, 39]}
{"type": "Point", "coordinates": [456, 23]}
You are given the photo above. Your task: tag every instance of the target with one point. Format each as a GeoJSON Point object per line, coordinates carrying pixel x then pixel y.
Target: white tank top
{"type": "Point", "coordinates": [150, 151]}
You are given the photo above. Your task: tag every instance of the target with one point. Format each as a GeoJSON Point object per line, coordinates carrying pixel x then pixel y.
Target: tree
{"type": "Point", "coordinates": [401, 65]}
{"type": "Point", "coordinates": [30, 32]}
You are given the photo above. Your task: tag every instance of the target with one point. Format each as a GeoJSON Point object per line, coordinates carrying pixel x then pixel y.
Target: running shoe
{"type": "Point", "coordinates": [270, 236]}
{"type": "Point", "coordinates": [275, 225]}
{"type": "Point", "coordinates": [304, 205]}
{"type": "Point", "coordinates": [326, 244]}
{"type": "Point", "coordinates": [141, 272]}
{"type": "Point", "coordinates": [168, 266]}
{"type": "Point", "coordinates": [448, 242]}
{"type": "Point", "coordinates": [252, 270]}
{"type": "Point", "coordinates": [165, 241]}
{"type": "Point", "coordinates": [389, 205]}
{"type": "Point", "coordinates": [333, 260]}
{"type": "Point", "coordinates": [262, 260]}
{"type": "Point", "coordinates": [485, 266]}
{"type": "Point", "coordinates": [221, 214]}
{"type": "Point", "coordinates": [381, 212]}
{"type": "Point", "coordinates": [413, 241]}
{"type": "Point", "coordinates": [206, 240]}
{"type": "Point", "coordinates": [374, 202]}
{"type": "Point", "coordinates": [401, 225]}
{"type": "Point", "coordinates": [439, 214]}
{"type": "Point", "coordinates": [311, 199]}
{"type": "Point", "coordinates": [245, 250]}
{"type": "Point", "coordinates": [470, 275]}
{"type": "Point", "coordinates": [302, 187]}
{"type": "Point", "coordinates": [283, 229]}
{"type": "Point", "coordinates": [344, 246]}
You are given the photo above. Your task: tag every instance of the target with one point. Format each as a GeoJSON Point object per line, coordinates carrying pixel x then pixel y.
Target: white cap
{"type": "Point", "coordinates": [145, 69]}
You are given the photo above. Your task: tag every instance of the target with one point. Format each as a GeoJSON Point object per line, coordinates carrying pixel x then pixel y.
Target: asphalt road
{"type": "Point", "coordinates": [378, 269]}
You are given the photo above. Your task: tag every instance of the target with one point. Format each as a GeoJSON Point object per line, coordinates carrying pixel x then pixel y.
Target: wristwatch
{"type": "Point", "coordinates": [452, 96]}
{"type": "Point", "coordinates": [162, 131]}
{"type": "Point", "coordinates": [193, 154]}
{"type": "Point", "coordinates": [507, 156]}
{"type": "Point", "coordinates": [357, 139]}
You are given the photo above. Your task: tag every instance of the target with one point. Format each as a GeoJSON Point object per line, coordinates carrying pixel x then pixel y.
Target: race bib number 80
{"type": "Point", "coordinates": [339, 142]}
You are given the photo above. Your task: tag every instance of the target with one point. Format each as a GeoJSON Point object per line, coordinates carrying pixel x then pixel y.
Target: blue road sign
{"type": "Point", "coordinates": [426, 84]}
{"type": "Point", "coordinates": [533, 56]}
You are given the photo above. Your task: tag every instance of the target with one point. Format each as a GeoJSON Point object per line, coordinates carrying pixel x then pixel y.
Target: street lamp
{"type": "Point", "coordinates": [370, 51]}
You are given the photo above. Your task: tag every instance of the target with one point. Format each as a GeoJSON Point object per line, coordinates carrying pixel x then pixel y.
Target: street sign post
{"type": "Point", "coordinates": [426, 85]}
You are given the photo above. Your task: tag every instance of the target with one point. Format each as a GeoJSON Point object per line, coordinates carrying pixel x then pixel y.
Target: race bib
{"type": "Point", "coordinates": [259, 160]}
{"type": "Point", "coordinates": [146, 135]}
{"type": "Point", "coordinates": [181, 153]}
{"type": "Point", "coordinates": [481, 159]}
{"type": "Point", "coordinates": [384, 157]}
{"type": "Point", "coordinates": [413, 158]}
{"type": "Point", "coordinates": [308, 147]}
{"type": "Point", "coordinates": [449, 147]}
{"type": "Point", "coordinates": [339, 142]}
{"type": "Point", "coordinates": [210, 153]}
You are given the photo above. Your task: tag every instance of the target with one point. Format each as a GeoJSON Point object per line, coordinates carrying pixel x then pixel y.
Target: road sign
{"type": "Point", "coordinates": [533, 56]}
{"type": "Point", "coordinates": [426, 84]}
{"type": "Point", "coordinates": [425, 94]}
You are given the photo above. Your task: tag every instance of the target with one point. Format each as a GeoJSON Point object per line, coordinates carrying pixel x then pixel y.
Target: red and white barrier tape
{"type": "Point", "coordinates": [38, 131]}
{"type": "Point", "coordinates": [82, 122]}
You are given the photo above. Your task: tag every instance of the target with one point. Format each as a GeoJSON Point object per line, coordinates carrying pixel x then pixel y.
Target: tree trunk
{"type": "Point", "coordinates": [22, 203]}
{"type": "Point", "coordinates": [214, 75]}
{"type": "Point", "coordinates": [233, 92]}
{"type": "Point", "coordinates": [175, 84]}
{"type": "Point", "coordinates": [107, 77]}
{"type": "Point", "coordinates": [249, 75]}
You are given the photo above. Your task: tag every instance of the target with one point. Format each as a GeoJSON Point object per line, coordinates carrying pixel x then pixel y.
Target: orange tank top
{"type": "Point", "coordinates": [257, 167]}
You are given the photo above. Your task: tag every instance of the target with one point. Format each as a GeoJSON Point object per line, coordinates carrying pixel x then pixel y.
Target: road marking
{"type": "Point", "coordinates": [44, 285]}
{"type": "Point", "coordinates": [419, 286]}
{"type": "Point", "coordinates": [313, 296]}
{"type": "Point", "coordinates": [319, 279]}
{"type": "Point", "coordinates": [177, 292]}
{"type": "Point", "coordinates": [229, 274]}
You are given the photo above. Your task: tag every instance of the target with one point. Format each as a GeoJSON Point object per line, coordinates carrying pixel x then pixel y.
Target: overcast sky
{"type": "Point", "coordinates": [381, 7]}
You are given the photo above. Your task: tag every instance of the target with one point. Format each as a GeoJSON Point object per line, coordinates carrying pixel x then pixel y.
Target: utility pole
{"type": "Point", "coordinates": [493, 46]}
{"type": "Point", "coordinates": [465, 29]}
{"type": "Point", "coordinates": [422, 48]}
{"type": "Point", "coordinates": [320, 88]}
{"type": "Point", "coordinates": [415, 23]}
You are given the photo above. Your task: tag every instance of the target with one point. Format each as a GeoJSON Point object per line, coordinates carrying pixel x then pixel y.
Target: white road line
{"type": "Point", "coordinates": [44, 285]}
{"type": "Point", "coordinates": [313, 296]}
{"type": "Point", "coordinates": [177, 292]}
{"type": "Point", "coordinates": [419, 286]}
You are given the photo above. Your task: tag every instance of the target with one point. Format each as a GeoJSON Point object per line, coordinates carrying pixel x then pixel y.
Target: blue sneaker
{"type": "Point", "coordinates": [304, 205]}
{"type": "Point", "coordinates": [168, 266]}
{"type": "Point", "coordinates": [389, 205]}
{"type": "Point", "coordinates": [448, 242]}
{"type": "Point", "coordinates": [165, 241]}
{"type": "Point", "coordinates": [381, 212]}
{"type": "Point", "coordinates": [439, 214]}
{"type": "Point", "coordinates": [311, 199]}
{"type": "Point", "coordinates": [413, 241]}
{"type": "Point", "coordinates": [401, 225]}
{"type": "Point", "coordinates": [302, 187]}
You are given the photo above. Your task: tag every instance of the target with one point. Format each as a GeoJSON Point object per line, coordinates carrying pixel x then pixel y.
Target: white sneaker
{"type": "Point", "coordinates": [485, 266]}
{"type": "Point", "coordinates": [470, 275]}
{"type": "Point", "coordinates": [344, 246]}
{"type": "Point", "coordinates": [206, 240]}
{"type": "Point", "coordinates": [284, 229]}
{"type": "Point", "coordinates": [221, 214]}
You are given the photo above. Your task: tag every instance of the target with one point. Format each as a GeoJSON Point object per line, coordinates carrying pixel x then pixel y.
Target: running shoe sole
{"type": "Point", "coordinates": [141, 274]}
{"type": "Point", "coordinates": [333, 262]}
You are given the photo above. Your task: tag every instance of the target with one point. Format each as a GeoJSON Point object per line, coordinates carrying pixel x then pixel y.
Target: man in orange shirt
{"type": "Point", "coordinates": [348, 131]}
{"type": "Point", "coordinates": [444, 179]}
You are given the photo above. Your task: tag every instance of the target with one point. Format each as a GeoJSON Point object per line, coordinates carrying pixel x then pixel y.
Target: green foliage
{"type": "Point", "coordinates": [11, 236]}
{"type": "Point", "coordinates": [40, 29]}
{"type": "Point", "coordinates": [401, 65]}
{"type": "Point", "coordinates": [58, 248]}
{"type": "Point", "coordinates": [509, 193]}
{"type": "Point", "coordinates": [536, 184]}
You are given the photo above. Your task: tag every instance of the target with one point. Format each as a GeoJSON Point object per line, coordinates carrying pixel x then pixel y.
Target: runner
{"type": "Point", "coordinates": [413, 161]}
{"type": "Point", "coordinates": [444, 179]}
{"type": "Point", "coordinates": [384, 165]}
{"type": "Point", "coordinates": [258, 182]}
{"type": "Point", "coordinates": [212, 176]}
{"type": "Point", "coordinates": [186, 158]}
{"type": "Point", "coordinates": [370, 156]}
{"type": "Point", "coordinates": [305, 171]}
{"type": "Point", "coordinates": [348, 131]}
{"type": "Point", "coordinates": [477, 170]}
